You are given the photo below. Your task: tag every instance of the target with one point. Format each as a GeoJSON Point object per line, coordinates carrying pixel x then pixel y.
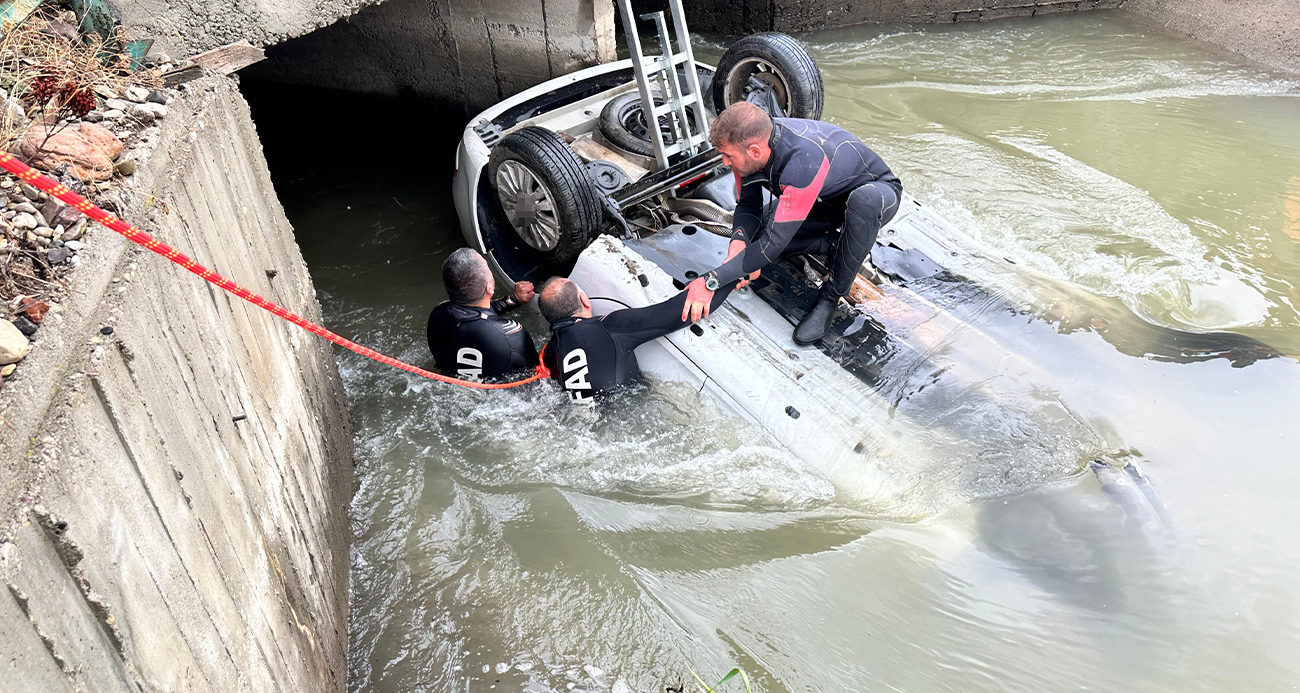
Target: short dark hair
{"type": "Point", "coordinates": [739, 124]}
{"type": "Point", "coordinates": [559, 299]}
{"type": "Point", "coordinates": [465, 275]}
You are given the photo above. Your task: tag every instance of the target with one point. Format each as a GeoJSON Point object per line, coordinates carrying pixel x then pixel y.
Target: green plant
{"type": "Point", "coordinates": [730, 675]}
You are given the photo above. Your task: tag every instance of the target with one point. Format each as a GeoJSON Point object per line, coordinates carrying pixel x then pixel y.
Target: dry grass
{"type": "Point", "coordinates": [56, 73]}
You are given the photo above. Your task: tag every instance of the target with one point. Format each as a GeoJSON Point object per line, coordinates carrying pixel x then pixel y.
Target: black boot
{"type": "Point", "coordinates": [818, 320]}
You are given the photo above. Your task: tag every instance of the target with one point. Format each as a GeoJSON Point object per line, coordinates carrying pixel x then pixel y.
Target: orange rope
{"type": "Point", "coordinates": [27, 173]}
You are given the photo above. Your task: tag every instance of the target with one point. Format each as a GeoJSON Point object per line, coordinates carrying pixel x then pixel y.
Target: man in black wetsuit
{"type": "Point", "coordinates": [831, 190]}
{"type": "Point", "coordinates": [467, 333]}
{"type": "Point", "coordinates": [589, 355]}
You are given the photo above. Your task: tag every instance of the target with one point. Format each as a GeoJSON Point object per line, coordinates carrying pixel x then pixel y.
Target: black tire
{"type": "Point", "coordinates": [575, 201]}
{"type": "Point", "coordinates": [623, 123]}
{"type": "Point", "coordinates": [797, 81]}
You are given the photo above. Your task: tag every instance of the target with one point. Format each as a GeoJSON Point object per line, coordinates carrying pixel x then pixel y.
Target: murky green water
{"type": "Point", "coordinates": [501, 542]}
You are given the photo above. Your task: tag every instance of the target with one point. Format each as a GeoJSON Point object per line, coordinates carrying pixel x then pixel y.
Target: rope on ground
{"type": "Point", "coordinates": [60, 191]}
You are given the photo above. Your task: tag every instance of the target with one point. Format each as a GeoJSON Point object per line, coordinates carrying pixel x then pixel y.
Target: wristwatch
{"type": "Point", "coordinates": [711, 281]}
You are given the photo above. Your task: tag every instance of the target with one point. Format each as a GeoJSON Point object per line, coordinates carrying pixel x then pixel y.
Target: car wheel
{"type": "Point", "coordinates": [545, 195]}
{"type": "Point", "coordinates": [623, 124]}
{"type": "Point", "coordinates": [772, 70]}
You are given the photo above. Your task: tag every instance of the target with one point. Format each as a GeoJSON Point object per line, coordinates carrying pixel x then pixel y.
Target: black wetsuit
{"type": "Point", "coordinates": [589, 356]}
{"type": "Point", "coordinates": [478, 342]}
{"type": "Point", "coordinates": [825, 179]}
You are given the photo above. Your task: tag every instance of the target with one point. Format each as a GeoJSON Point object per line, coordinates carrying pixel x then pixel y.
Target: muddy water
{"type": "Point", "coordinates": [502, 542]}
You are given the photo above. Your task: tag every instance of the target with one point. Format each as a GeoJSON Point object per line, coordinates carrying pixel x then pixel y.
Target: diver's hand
{"type": "Point", "coordinates": [735, 248]}
{"type": "Point", "coordinates": [698, 298]}
{"type": "Point", "coordinates": [524, 292]}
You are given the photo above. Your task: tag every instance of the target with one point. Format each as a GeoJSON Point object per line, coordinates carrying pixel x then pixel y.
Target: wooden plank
{"type": "Point", "coordinates": [229, 57]}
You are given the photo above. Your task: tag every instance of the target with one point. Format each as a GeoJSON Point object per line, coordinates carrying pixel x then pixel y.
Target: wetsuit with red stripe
{"type": "Point", "coordinates": [827, 183]}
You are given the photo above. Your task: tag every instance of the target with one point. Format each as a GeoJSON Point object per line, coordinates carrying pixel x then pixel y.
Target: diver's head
{"type": "Point", "coordinates": [741, 134]}
{"type": "Point", "coordinates": [561, 298]}
{"type": "Point", "coordinates": [468, 278]}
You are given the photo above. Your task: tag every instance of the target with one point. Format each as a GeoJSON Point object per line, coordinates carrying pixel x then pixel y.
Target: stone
{"type": "Point", "coordinates": [32, 237]}
{"type": "Point", "coordinates": [74, 246]}
{"type": "Point", "coordinates": [27, 327]}
{"type": "Point", "coordinates": [126, 167]}
{"type": "Point", "coordinates": [44, 232]}
{"type": "Point", "coordinates": [162, 58]}
{"type": "Point", "coordinates": [93, 117]}
{"type": "Point", "coordinates": [114, 114]}
{"type": "Point", "coordinates": [12, 115]}
{"type": "Point", "coordinates": [141, 114]}
{"type": "Point", "coordinates": [56, 256]}
{"type": "Point", "coordinates": [104, 91]}
{"type": "Point", "coordinates": [13, 344]}
{"type": "Point", "coordinates": [41, 220]}
{"type": "Point", "coordinates": [158, 110]}
{"type": "Point", "coordinates": [118, 104]}
{"type": "Point", "coordinates": [158, 96]}
{"type": "Point", "coordinates": [31, 191]}
{"type": "Point", "coordinates": [77, 230]}
{"type": "Point", "coordinates": [25, 207]}
{"type": "Point", "coordinates": [24, 221]}
{"type": "Point", "coordinates": [8, 370]}
{"type": "Point", "coordinates": [88, 149]}
{"type": "Point", "coordinates": [136, 94]}
{"type": "Point", "coordinates": [51, 208]}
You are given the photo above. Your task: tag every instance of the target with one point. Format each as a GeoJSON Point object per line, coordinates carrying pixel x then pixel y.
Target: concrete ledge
{"type": "Point", "coordinates": [176, 492]}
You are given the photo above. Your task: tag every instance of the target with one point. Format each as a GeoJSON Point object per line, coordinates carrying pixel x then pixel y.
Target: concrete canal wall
{"type": "Point", "coordinates": [176, 491]}
{"type": "Point", "coordinates": [468, 53]}
{"type": "Point", "coordinates": [1267, 31]}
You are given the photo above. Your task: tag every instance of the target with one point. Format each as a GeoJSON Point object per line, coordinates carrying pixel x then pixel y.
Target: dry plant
{"type": "Point", "coordinates": [56, 72]}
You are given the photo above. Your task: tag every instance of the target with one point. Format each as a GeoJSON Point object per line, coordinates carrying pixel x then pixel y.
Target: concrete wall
{"type": "Point", "coordinates": [467, 52]}
{"type": "Point", "coordinates": [175, 493]}
{"type": "Point", "coordinates": [1264, 30]}
{"type": "Point", "coordinates": [734, 17]}
{"type": "Point", "coordinates": [184, 27]}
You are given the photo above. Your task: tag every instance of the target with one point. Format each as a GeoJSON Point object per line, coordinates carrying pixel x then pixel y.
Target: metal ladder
{"type": "Point", "coordinates": [661, 70]}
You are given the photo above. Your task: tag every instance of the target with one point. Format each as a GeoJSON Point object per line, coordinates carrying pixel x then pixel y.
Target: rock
{"type": "Point", "coordinates": [74, 246]}
{"type": "Point", "coordinates": [6, 184]}
{"type": "Point", "coordinates": [8, 370]}
{"type": "Point", "coordinates": [51, 208]}
{"type": "Point", "coordinates": [42, 241]}
{"type": "Point", "coordinates": [13, 343]}
{"type": "Point", "coordinates": [126, 167]}
{"type": "Point", "coordinates": [77, 230]}
{"type": "Point", "coordinates": [104, 92]}
{"type": "Point", "coordinates": [93, 117]}
{"type": "Point", "coordinates": [41, 220]}
{"type": "Point", "coordinates": [24, 221]}
{"type": "Point", "coordinates": [87, 148]}
{"type": "Point", "coordinates": [12, 115]}
{"type": "Point", "coordinates": [31, 191]}
{"type": "Point", "coordinates": [27, 327]}
{"type": "Point", "coordinates": [8, 215]}
{"type": "Point", "coordinates": [32, 238]}
{"type": "Point", "coordinates": [136, 94]}
{"type": "Point", "coordinates": [114, 114]}
{"type": "Point", "coordinates": [162, 58]}
{"type": "Point", "coordinates": [56, 256]}
{"type": "Point", "coordinates": [142, 114]}
{"type": "Point", "coordinates": [156, 109]}
{"type": "Point", "coordinates": [25, 207]}
{"type": "Point", "coordinates": [158, 96]}
{"type": "Point", "coordinates": [44, 232]}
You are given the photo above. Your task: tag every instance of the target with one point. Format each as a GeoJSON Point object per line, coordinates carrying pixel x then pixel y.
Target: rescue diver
{"type": "Point", "coordinates": [830, 191]}
{"type": "Point", "coordinates": [590, 355]}
{"type": "Point", "coordinates": [467, 333]}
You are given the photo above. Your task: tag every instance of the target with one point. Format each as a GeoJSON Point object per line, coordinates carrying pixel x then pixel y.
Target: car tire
{"type": "Point", "coordinates": [623, 124]}
{"type": "Point", "coordinates": [545, 194]}
{"type": "Point", "coordinates": [781, 63]}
